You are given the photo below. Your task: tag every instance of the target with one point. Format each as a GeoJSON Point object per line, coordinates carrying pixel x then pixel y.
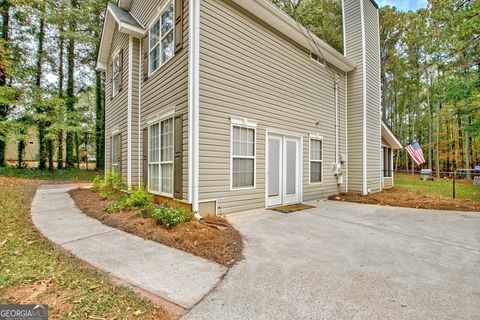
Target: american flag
{"type": "Point", "coordinates": [416, 152]}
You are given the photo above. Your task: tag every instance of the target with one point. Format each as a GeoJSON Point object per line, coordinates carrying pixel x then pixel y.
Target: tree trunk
{"type": "Point", "coordinates": [42, 150]}
{"type": "Point", "coordinates": [4, 109]}
{"type": "Point", "coordinates": [77, 150]}
{"type": "Point", "coordinates": [100, 123]}
{"type": "Point", "coordinates": [61, 47]}
{"type": "Point", "coordinates": [70, 103]}
{"type": "Point", "coordinates": [430, 165]}
{"type": "Point", "coordinates": [437, 160]}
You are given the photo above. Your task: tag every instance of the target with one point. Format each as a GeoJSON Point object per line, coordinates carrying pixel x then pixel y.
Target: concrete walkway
{"type": "Point", "coordinates": [176, 276]}
{"type": "Point", "coordinates": [352, 261]}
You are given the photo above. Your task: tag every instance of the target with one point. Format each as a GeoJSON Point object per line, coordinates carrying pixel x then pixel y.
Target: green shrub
{"type": "Point", "coordinates": [110, 187]}
{"type": "Point", "coordinates": [118, 205]}
{"type": "Point", "coordinates": [171, 216]}
{"type": "Point", "coordinates": [147, 211]}
{"type": "Point", "coordinates": [139, 198]}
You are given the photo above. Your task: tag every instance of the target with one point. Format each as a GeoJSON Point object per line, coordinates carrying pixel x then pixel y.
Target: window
{"type": "Point", "coordinates": [387, 162]}
{"type": "Point", "coordinates": [116, 75]}
{"type": "Point", "coordinates": [160, 157]}
{"type": "Point", "coordinates": [316, 160]}
{"type": "Point", "coordinates": [161, 46]}
{"type": "Point", "coordinates": [116, 153]}
{"type": "Point", "coordinates": [243, 157]}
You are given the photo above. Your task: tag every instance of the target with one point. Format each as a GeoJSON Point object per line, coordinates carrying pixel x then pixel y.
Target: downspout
{"type": "Point", "coordinates": [193, 104]}
{"type": "Point", "coordinates": [129, 112]}
{"type": "Point", "coordinates": [140, 133]}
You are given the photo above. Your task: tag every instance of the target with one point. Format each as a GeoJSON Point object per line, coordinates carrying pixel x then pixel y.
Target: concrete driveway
{"type": "Point", "coordinates": [352, 261]}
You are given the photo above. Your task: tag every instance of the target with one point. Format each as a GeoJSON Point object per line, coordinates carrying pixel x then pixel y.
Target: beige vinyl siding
{"type": "Point", "coordinates": [353, 51]}
{"type": "Point", "coordinates": [136, 70]}
{"type": "Point", "coordinates": [356, 86]}
{"type": "Point", "coordinates": [247, 70]}
{"type": "Point", "coordinates": [116, 107]}
{"type": "Point", "coordinates": [372, 47]}
{"type": "Point", "coordinates": [168, 86]}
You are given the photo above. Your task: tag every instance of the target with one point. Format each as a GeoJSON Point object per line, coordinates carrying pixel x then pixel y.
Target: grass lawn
{"type": "Point", "coordinates": [65, 174]}
{"type": "Point", "coordinates": [439, 187]}
{"type": "Point", "coordinates": [32, 270]}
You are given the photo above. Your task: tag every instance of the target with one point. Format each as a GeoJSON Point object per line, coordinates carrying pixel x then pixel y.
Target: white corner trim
{"type": "Point", "coordinates": [129, 111]}
{"type": "Point", "coordinates": [242, 122]}
{"type": "Point", "coordinates": [140, 132]}
{"type": "Point", "coordinates": [193, 101]}
{"type": "Point", "coordinates": [364, 74]}
{"type": "Point", "coordinates": [166, 113]}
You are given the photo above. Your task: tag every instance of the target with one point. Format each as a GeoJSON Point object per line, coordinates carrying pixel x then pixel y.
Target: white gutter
{"type": "Point", "coordinates": [129, 111]}
{"type": "Point", "coordinates": [193, 102]}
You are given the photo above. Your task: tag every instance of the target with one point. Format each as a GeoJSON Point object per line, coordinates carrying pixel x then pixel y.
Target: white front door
{"type": "Point", "coordinates": [283, 170]}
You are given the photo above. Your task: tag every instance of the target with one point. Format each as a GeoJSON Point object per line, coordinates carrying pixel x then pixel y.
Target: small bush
{"type": "Point", "coordinates": [110, 187]}
{"type": "Point", "coordinates": [147, 211]}
{"type": "Point", "coordinates": [118, 205]}
{"type": "Point", "coordinates": [139, 198]}
{"type": "Point", "coordinates": [171, 216]}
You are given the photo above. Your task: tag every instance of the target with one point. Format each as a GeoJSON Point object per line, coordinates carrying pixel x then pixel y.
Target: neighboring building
{"type": "Point", "coordinates": [31, 148]}
{"type": "Point", "coordinates": [231, 105]}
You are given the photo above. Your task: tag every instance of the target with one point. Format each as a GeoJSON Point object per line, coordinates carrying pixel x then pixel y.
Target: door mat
{"type": "Point", "coordinates": [292, 208]}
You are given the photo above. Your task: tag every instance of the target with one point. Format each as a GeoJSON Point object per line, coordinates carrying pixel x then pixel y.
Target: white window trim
{"type": "Point", "coordinates": [115, 57]}
{"type": "Point", "coordinates": [319, 138]}
{"type": "Point", "coordinates": [160, 162]}
{"type": "Point", "coordinates": [160, 10]}
{"type": "Point", "coordinates": [253, 126]}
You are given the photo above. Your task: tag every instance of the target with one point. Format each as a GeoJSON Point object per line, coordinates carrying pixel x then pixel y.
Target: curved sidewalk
{"type": "Point", "coordinates": [176, 276]}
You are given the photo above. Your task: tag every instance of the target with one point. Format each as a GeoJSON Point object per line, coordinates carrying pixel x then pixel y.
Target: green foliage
{"type": "Point", "coordinates": [31, 173]}
{"type": "Point", "coordinates": [111, 187]}
{"type": "Point", "coordinates": [171, 216]}
{"type": "Point", "coordinates": [137, 199]}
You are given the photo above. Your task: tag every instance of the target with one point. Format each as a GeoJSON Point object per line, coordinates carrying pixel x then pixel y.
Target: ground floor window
{"type": "Point", "coordinates": [316, 160]}
{"type": "Point", "coordinates": [160, 157]}
{"type": "Point", "coordinates": [116, 153]}
{"type": "Point", "coordinates": [387, 161]}
{"type": "Point", "coordinates": [243, 157]}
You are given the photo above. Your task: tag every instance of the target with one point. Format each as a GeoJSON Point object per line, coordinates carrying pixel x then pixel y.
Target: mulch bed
{"type": "Point", "coordinates": [213, 238]}
{"type": "Point", "coordinates": [401, 198]}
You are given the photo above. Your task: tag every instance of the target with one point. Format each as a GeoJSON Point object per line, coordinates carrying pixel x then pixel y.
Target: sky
{"type": "Point", "coordinates": [404, 5]}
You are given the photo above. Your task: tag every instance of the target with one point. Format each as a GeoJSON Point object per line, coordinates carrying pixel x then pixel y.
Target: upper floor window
{"type": "Point", "coordinates": [161, 46]}
{"type": "Point", "coordinates": [116, 74]}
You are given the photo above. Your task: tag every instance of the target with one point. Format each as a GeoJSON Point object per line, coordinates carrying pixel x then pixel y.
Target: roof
{"type": "Point", "coordinates": [390, 137]}
{"type": "Point", "coordinates": [124, 16]}
{"type": "Point", "coordinates": [262, 9]}
{"type": "Point", "coordinates": [275, 17]}
{"type": "Point", "coordinates": [126, 23]}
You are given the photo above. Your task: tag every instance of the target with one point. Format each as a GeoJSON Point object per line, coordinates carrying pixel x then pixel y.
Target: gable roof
{"type": "Point", "coordinates": [390, 137]}
{"type": "Point", "coordinates": [282, 22]}
{"type": "Point", "coordinates": [126, 24]}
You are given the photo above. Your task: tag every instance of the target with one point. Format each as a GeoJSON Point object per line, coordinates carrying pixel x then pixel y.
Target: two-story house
{"type": "Point", "coordinates": [231, 105]}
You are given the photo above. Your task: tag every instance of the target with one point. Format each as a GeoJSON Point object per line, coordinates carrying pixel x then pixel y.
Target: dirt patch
{"type": "Point", "coordinates": [401, 198]}
{"type": "Point", "coordinates": [213, 238]}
